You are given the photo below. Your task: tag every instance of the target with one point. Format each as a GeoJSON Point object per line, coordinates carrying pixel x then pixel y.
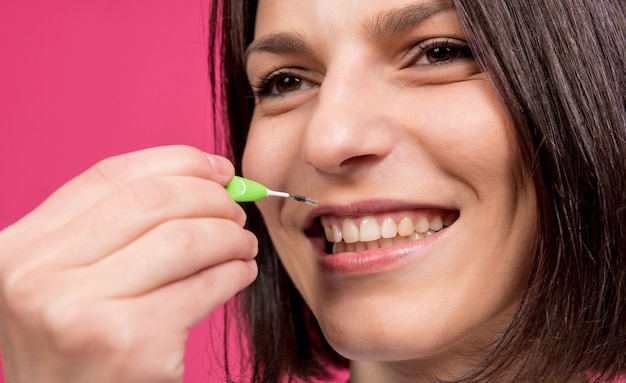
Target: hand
{"type": "Point", "coordinates": [103, 280]}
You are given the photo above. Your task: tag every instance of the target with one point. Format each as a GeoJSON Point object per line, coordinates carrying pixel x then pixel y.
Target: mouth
{"type": "Point", "coordinates": [356, 233]}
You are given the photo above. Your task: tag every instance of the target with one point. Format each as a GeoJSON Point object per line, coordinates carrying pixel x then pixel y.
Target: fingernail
{"type": "Point", "coordinates": [241, 216]}
{"type": "Point", "coordinates": [254, 242]}
{"type": "Point", "coordinates": [220, 164]}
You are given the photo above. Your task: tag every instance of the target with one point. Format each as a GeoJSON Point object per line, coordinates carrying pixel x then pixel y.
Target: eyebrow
{"type": "Point", "coordinates": [379, 27]}
{"type": "Point", "coordinates": [397, 21]}
{"type": "Point", "coordinates": [279, 43]}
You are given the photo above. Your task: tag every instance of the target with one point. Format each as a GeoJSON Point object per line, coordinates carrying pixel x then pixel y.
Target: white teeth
{"type": "Point", "coordinates": [400, 240]}
{"type": "Point", "coordinates": [385, 242]}
{"type": "Point", "coordinates": [388, 229]}
{"type": "Point", "coordinates": [328, 231]}
{"type": "Point", "coordinates": [360, 246]}
{"type": "Point", "coordinates": [415, 237]}
{"type": "Point", "coordinates": [369, 230]}
{"type": "Point", "coordinates": [349, 231]}
{"type": "Point", "coordinates": [348, 237]}
{"type": "Point", "coordinates": [436, 224]}
{"type": "Point", "coordinates": [337, 234]}
{"type": "Point", "coordinates": [422, 225]}
{"type": "Point", "coordinates": [406, 227]}
{"type": "Point", "coordinates": [339, 247]}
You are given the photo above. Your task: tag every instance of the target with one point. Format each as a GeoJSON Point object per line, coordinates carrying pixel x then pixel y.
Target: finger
{"type": "Point", "coordinates": [170, 252]}
{"type": "Point", "coordinates": [131, 211]}
{"type": "Point", "coordinates": [107, 175]}
{"type": "Point", "coordinates": [190, 300]}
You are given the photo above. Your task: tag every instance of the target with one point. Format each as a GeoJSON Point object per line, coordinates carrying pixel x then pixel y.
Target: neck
{"type": "Point", "coordinates": [405, 371]}
{"type": "Point", "coordinates": [413, 372]}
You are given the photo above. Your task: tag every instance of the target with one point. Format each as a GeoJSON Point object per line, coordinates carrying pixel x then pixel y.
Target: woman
{"type": "Point", "coordinates": [382, 111]}
{"type": "Point", "coordinates": [470, 175]}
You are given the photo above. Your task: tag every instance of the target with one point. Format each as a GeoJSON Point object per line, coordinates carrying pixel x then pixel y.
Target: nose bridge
{"type": "Point", "coordinates": [346, 124]}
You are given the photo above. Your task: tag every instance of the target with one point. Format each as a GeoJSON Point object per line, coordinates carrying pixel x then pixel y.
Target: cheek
{"type": "Point", "coordinates": [475, 140]}
{"type": "Point", "coordinates": [269, 158]}
{"type": "Point", "coordinates": [249, 169]}
{"type": "Point", "coordinates": [272, 148]}
{"type": "Point", "coordinates": [255, 161]}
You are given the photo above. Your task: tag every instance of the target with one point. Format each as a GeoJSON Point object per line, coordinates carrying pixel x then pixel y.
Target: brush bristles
{"type": "Point", "coordinates": [304, 199]}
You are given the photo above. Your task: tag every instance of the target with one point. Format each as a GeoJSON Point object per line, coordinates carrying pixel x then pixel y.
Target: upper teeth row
{"type": "Point", "coordinates": [370, 230]}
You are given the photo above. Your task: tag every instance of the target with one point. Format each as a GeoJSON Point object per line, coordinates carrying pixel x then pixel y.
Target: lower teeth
{"type": "Point", "coordinates": [342, 247]}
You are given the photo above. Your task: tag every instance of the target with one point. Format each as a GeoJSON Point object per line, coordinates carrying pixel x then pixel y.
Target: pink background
{"type": "Point", "coordinates": [83, 80]}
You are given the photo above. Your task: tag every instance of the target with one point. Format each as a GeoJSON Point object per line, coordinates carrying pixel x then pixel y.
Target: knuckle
{"type": "Point", "coordinates": [232, 235]}
{"type": "Point", "coordinates": [149, 194]}
{"type": "Point", "coordinates": [179, 235]}
{"type": "Point", "coordinates": [120, 332]}
{"type": "Point", "coordinates": [233, 276]}
{"type": "Point", "coordinates": [223, 204]}
{"type": "Point", "coordinates": [20, 293]}
{"type": "Point", "coordinates": [191, 158]}
{"type": "Point", "coordinates": [63, 323]}
{"type": "Point", "coordinates": [112, 170]}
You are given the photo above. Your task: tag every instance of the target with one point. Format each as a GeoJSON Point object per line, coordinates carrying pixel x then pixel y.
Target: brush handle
{"type": "Point", "coordinates": [245, 190]}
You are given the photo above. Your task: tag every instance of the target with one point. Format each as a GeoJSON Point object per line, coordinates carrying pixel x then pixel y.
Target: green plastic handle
{"type": "Point", "coordinates": [245, 190]}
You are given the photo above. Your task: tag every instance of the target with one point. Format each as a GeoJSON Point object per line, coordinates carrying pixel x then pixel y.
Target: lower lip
{"type": "Point", "coordinates": [375, 260]}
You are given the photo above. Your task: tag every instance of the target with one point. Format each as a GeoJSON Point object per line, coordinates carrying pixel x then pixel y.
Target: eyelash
{"type": "Point", "coordinates": [445, 43]}
{"type": "Point", "coordinates": [262, 88]}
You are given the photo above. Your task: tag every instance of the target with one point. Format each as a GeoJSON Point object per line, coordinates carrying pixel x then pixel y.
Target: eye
{"type": "Point", "coordinates": [441, 51]}
{"type": "Point", "coordinates": [288, 84]}
{"type": "Point", "coordinates": [281, 83]}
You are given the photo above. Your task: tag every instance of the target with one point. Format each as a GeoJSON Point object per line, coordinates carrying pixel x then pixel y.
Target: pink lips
{"type": "Point", "coordinates": [374, 260]}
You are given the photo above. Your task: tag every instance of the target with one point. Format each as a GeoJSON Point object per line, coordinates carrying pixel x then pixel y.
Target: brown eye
{"type": "Point", "coordinates": [281, 83]}
{"type": "Point", "coordinates": [441, 51]}
{"type": "Point", "coordinates": [439, 54]}
{"type": "Point", "coordinates": [288, 84]}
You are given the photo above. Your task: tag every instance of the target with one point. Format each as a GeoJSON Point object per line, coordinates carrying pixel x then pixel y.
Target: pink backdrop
{"type": "Point", "coordinates": [83, 80]}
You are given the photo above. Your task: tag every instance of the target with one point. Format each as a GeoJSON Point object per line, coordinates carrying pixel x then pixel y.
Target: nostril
{"type": "Point", "coordinates": [360, 161]}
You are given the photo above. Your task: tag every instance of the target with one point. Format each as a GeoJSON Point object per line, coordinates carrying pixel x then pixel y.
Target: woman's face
{"type": "Point", "coordinates": [419, 245]}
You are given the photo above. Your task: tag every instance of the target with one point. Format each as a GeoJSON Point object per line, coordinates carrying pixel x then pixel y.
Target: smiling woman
{"type": "Point", "coordinates": [420, 280]}
{"type": "Point", "coordinates": [468, 160]}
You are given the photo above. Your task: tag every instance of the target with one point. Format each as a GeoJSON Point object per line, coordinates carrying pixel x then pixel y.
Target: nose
{"type": "Point", "coordinates": [348, 130]}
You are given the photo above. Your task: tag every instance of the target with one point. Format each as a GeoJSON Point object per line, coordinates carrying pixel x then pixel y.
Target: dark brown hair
{"type": "Point", "coordinates": [560, 69]}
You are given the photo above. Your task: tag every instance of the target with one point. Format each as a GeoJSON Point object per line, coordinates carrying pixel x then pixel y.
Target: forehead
{"type": "Point", "coordinates": [341, 16]}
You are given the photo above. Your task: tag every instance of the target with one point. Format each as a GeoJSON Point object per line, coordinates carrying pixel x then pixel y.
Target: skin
{"type": "Point", "coordinates": [373, 126]}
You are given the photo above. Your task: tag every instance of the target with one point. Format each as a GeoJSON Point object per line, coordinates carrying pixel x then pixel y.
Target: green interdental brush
{"type": "Point", "coordinates": [245, 190]}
